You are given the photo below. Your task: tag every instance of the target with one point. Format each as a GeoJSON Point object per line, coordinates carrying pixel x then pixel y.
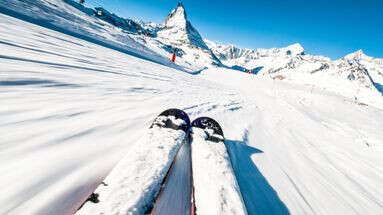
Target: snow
{"type": "Point", "coordinates": [231, 55]}
{"type": "Point", "coordinates": [179, 32]}
{"type": "Point", "coordinates": [295, 49]}
{"type": "Point", "coordinates": [177, 18]}
{"type": "Point", "coordinates": [162, 119]}
{"type": "Point", "coordinates": [298, 150]}
{"type": "Point", "coordinates": [63, 17]}
{"type": "Point", "coordinates": [72, 108]}
{"type": "Point", "coordinates": [363, 74]}
{"type": "Point", "coordinates": [216, 189]}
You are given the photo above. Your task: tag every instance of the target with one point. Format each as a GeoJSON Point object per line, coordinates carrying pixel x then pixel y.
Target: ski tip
{"type": "Point", "coordinates": [178, 115]}
{"type": "Point", "coordinates": [206, 122]}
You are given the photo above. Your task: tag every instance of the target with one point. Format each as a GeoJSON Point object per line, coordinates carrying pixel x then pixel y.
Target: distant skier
{"type": "Point", "coordinates": [174, 57]}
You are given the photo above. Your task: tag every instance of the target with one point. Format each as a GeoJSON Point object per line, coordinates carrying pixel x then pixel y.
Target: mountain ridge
{"type": "Point", "coordinates": [160, 41]}
{"type": "Point", "coordinates": [177, 34]}
{"type": "Point", "coordinates": [178, 31]}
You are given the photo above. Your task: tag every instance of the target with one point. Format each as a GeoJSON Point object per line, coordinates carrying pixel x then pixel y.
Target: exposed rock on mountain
{"type": "Point", "coordinates": [178, 32]}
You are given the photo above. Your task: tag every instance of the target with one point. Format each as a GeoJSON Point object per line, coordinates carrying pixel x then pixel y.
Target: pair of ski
{"type": "Point", "coordinates": [156, 178]}
{"type": "Point", "coordinates": [177, 191]}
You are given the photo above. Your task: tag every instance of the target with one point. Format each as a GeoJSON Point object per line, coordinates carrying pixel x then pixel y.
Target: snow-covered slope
{"type": "Point", "coordinates": [71, 18]}
{"type": "Point", "coordinates": [125, 24]}
{"type": "Point", "coordinates": [73, 107]}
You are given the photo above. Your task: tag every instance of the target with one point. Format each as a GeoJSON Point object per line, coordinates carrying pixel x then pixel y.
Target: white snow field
{"type": "Point", "coordinates": [71, 109]}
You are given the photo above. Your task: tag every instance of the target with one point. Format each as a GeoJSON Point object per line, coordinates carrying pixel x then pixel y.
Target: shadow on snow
{"type": "Point", "coordinates": [379, 87]}
{"type": "Point", "coordinates": [45, 83]}
{"type": "Point", "coordinates": [257, 193]}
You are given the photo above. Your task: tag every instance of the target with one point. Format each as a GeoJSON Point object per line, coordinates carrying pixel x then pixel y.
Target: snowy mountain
{"type": "Point", "coordinates": [266, 61]}
{"type": "Point", "coordinates": [72, 18]}
{"type": "Point", "coordinates": [291, 62]}
{"type": "Point", "coordinates": [125, 24]}
{"type": "Point", "coordinates": [373, 66]}
{"type": "Point", "coordinates": [177, 35]}
{"type": "Point", "coordinates": [178, 32]}
{"type": "Point", "coordinates": [232, 55]}
{"type": "Point", "coordinates": [151, 27]}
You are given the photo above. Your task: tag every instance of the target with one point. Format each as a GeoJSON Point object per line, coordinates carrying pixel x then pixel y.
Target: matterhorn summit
{"type": "Point", "coordinates": [179, 34]}
{"type": "Point", "coordinates": [179, 30]}
{"type": "Point", "coordinates": [177, 18]}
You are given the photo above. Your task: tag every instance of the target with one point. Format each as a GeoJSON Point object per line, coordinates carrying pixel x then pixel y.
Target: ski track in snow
{"type": "Point", "coordinates": [72, 109]}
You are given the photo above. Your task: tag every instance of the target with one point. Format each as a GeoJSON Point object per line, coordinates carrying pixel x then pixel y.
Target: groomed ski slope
{"type": "Point", "coordinates": [72, 109]}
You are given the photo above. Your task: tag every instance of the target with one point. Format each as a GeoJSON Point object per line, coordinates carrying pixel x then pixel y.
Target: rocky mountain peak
{"type": "Point", "coordinates": [179, 31]}
{"type": "Point", "coordinates": [295, 49]}
{"type": "Point", "coordinates": [355, 55]}
{"type": "Point", "coordinates": [177, 17]}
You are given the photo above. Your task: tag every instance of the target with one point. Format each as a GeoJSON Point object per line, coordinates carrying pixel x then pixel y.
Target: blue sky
{"type": "Point", "coordinates": [331, 28]}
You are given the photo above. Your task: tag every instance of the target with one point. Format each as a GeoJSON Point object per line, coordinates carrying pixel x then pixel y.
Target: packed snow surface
{"type": "Point", "coordinates": [72, 108]}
